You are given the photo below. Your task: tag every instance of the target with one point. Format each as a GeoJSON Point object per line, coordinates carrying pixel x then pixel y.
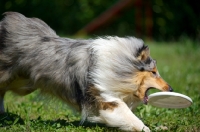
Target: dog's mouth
{"type": "Point", "coordinates": [145, 100]}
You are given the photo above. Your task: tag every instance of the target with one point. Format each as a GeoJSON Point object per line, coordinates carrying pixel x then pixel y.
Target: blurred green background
{"type": "Point", "coordinates": [154, 19]}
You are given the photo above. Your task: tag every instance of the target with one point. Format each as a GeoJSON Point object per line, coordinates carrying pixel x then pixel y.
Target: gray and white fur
{"type": "Point", "coordinates": [32, 56]}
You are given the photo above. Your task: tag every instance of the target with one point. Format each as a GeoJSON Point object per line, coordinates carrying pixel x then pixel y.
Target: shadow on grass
{"type": "Point", "coordinates": [9, 119]}
{"type": "Point", "coordinates": [63, 123]}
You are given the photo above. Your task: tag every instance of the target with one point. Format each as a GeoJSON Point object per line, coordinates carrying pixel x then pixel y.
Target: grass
{"type": "Point", "coordinates": [178, 64]}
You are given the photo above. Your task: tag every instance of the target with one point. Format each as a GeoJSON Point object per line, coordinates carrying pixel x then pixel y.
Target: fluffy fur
{"type": "Point", "coordinates": [103, 78]}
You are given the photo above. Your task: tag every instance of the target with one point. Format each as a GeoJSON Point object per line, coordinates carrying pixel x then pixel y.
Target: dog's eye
{"type": "Point", "coordinates": [154, 73]}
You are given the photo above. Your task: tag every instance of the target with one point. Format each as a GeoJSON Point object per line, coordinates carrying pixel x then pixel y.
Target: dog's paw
{"type": "Point", "coordinates": [146, 129]}
{"type": "Point", "coordinates": [141, 129]}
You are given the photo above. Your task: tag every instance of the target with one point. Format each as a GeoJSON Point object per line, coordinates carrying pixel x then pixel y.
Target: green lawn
{"type": "Point", "coordinates": [178, 64]}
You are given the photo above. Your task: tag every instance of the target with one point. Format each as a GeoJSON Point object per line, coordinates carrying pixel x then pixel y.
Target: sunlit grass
{"type": "Point", "coordinates": [178, 64]}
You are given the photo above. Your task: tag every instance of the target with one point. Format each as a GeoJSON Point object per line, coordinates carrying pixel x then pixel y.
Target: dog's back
{"type": "Point", "coordinates": [33, 56]}
{"type": "Point", "coordinates": [17, 36]}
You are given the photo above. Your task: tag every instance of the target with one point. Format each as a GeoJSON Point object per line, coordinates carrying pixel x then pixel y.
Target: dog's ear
{"type": "Point", "coordinates": [144, 53]}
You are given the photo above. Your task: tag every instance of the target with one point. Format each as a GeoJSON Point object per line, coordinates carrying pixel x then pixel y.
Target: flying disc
{"type": "Point", "coordinates": [169, 100]}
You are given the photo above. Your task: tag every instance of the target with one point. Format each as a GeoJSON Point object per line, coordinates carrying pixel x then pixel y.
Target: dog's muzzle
{"type": "Point", "coordinates": [170, 88]}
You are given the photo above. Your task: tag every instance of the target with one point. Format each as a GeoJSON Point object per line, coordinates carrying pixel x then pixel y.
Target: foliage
{"type": "Point", "coordinates": [65, 16]}
{"type": "Point", "coordinates": [171, 19]}
{"type": "Point", "coordinates": [177, 64]}
{"type": "Point", "coordinates": [174, 18]}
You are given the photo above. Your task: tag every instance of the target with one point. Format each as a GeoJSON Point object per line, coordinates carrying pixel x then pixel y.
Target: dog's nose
{"type": "Point", "coordinates": [170, 89]}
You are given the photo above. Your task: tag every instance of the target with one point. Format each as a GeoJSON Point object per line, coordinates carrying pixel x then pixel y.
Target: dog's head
{"type": "Point", "coordinates": [147, 76]}
{"type": "Point", "coordinates": [124, 67]}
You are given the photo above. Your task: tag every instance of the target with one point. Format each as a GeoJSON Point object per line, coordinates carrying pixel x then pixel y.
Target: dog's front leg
{"type": "Point", "coordinates": [117, 114]}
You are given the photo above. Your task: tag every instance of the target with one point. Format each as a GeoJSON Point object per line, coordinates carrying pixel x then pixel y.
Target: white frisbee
{"type": "Point", "coordinates": [169, 100]}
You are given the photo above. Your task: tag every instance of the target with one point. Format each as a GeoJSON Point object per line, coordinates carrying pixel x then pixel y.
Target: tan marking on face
{"type": "Point", "coordinates": [146, 79]}
{"type": "Point", "coordinates": [163, 85]}
{"type": "Point", "coordinates": [154, 70]}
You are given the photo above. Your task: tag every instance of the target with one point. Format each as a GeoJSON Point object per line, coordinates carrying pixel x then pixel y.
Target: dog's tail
{"type": "Point", "coordinates": [15, 27]}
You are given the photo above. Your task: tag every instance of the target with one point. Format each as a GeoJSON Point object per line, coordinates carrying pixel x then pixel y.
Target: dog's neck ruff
{"type": "Point", "coordinates": [116, 62]}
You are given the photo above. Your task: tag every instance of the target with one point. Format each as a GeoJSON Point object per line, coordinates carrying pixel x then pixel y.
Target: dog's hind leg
{"type": "Point", "coordinates": [2, 110]}
{"type": "Point", "coordinates": [4, 77]}
{"type": "Point", "coordinates": [117, 114]}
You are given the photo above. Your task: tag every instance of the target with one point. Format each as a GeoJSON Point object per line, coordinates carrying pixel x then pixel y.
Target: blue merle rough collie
{"type": "Point", "coordinates": [103, 78]}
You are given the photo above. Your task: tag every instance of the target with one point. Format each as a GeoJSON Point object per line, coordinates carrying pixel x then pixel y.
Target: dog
{"type": "Point", "coordinates": [104, 78]}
